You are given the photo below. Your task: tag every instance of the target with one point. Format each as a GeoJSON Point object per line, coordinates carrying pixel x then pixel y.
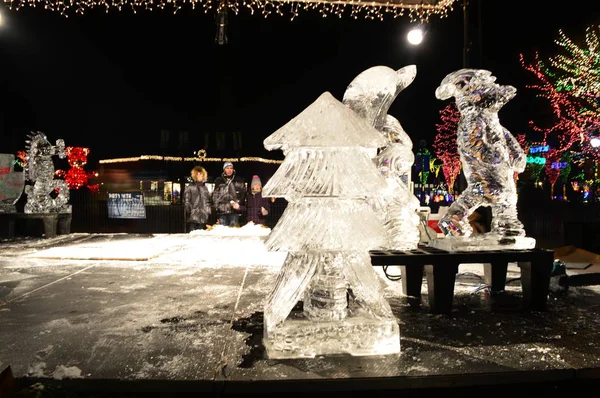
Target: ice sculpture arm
{"type": "Point", "coordinates": [60, 148]}
{"type": "Point", "coordinates": [517, 157]}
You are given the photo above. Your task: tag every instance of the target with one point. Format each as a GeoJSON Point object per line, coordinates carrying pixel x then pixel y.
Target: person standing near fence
{"type": "Point", "coordinates": [257, 207]}
{"type": "Point", "coordinates": [229, 196]}
{"type": "Point", "coordinates": [197, 200]}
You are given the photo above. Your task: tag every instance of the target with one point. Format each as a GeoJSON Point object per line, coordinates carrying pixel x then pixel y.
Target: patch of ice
{"type": "Point", "coordinates": [63, 372]}
{"type": "Point", "coordinates": [36, 369]}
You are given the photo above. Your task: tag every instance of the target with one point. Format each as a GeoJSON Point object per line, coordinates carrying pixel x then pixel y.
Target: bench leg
{"type": "Point", "coordinates": [50, 226]}
{"type": "Point", "coordinates": [495, 275]}
{"type": "Point", "coordinates": [535, 282]}
{"type": "Point", "coordinates": [440, 286]}
{"type": "Point", "coordinates": [64, 224]}
{"type": "Point", "coordinates": [8, 229]}
{"type": "Point", "coordinates": [412, 279]}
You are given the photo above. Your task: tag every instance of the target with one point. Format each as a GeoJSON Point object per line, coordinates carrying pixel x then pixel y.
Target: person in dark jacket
{"type": "Point", "coordinates": [197, 201]}
{"type": "Point", "coordinates": [257, 207]}
{"type": "Point", "coordinates": [229, 196]}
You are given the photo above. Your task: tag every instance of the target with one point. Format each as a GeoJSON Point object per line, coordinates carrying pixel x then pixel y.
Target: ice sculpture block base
{"type": "Point", "coordinates": [482, 242]}
{"type": "Point", "coordinates": [359, 335]}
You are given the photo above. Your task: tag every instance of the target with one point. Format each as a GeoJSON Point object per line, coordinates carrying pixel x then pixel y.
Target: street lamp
{"type": "Point", "coordinates": [415, 36]}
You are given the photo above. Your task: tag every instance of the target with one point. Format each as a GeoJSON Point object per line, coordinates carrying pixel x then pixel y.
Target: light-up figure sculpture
{"type": "Point", "coordinates": [490, 158]}
{"type": "Point", "coordinates": [370, 95]}
{"type": "Point", "coordinates": [327, 229]}
{"type": "Point", "coordinates": [77, 177]}
{"type": "Point", "coordinates": [47, 194]}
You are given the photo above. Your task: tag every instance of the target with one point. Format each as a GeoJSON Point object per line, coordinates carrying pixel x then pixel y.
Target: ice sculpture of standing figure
{"type": "Point", "coordinates": [490, 158]}
{"type": "Point", "coordinates": [327, 229]}
{"type": "Point", "coordinates": [370, 95]}
{"type": "Point", "coordinates": [45, 194]}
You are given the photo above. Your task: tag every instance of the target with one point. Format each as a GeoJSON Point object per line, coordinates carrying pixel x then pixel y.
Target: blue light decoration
{"type": "Point", "coordinates": [559, 165]}
{"type": "Point", "coordinates": [536, 160]}
{"type": "Point", "coordinates": [539, 149]}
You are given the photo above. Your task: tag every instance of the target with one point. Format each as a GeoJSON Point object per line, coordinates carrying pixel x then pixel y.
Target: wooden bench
{"type": "Point", "coordinates": [441, 268]}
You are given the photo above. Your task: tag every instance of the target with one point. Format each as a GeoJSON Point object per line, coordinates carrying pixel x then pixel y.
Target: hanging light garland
{"type": "Point", "coordinates": [416, 10]}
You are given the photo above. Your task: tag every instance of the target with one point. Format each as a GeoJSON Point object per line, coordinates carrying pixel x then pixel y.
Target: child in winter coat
{"type": "Point", "coordinates": [257, 207]}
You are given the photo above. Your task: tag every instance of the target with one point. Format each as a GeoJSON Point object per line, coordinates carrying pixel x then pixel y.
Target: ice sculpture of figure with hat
{"type": "Point", "coordinates": [327, 230]}
{"type": "Point", "coordinates": [45, 194]}
{"type": "Point", "coordinates": [490, 157]}
{"type": "Point", "coordinates": [370, 95]}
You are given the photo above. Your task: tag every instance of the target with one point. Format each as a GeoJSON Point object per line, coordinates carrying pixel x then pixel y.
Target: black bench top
{"type": "Point", "coordinates": [431, 255]}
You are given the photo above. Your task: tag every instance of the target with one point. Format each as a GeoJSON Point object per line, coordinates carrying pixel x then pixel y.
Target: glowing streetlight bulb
{"type": "Point", "coordinates": [595, 142]}
{"type": "Point", "coordinates": [415, 36]}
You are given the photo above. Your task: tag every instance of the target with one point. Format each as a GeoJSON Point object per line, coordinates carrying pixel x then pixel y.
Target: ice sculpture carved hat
{"type": "Point", "coordinates": [457, 81]}
{"type": "Point", "coordinates": [372, 92]}
{"type": "Point", "coordinates": [227, 164]}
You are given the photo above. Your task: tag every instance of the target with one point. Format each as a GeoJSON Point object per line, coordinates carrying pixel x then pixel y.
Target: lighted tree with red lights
{"type": "Point", "coordinates": [445, 144]}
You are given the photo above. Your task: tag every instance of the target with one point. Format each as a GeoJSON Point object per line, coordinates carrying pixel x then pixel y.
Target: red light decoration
{"type": "Point", "coordinates": [445, 144]}
{"type": "Point", "coordinates": [76, 177]}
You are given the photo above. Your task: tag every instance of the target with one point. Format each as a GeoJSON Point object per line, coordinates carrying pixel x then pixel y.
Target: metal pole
{"type": "Point", "coordinates": [465, 34]}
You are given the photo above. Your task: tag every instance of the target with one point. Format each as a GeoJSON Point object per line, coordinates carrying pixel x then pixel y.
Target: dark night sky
{"type": "Point", "coordinates": [98, 78]}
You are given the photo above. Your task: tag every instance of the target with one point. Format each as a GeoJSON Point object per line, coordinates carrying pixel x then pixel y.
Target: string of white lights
{"type": "Point", "coordinates": [188, 159]}
{"type": "Point", "coordinates": [374, 9]}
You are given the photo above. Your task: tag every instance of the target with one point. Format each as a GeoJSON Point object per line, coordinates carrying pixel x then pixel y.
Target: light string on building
{"type": "Point", "coordinates": [420, 11]}
{"type": "Point", "coordinates": [189, 159]}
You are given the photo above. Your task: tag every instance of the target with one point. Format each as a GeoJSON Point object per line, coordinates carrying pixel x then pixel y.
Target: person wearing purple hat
{"type": "Point", "coordinates": [229, 196]}
{"type": "Point", "coordinates": [257, 207]}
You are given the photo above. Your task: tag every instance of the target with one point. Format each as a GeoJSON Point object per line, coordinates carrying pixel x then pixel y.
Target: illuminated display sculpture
{"type": "Point", "coordinates": [327, 229]}
{"type": "Point", "coordinates": [45, 194]}
{"type": "Point", "coordinates": [490, 157]}
{"type": "Point", "coordinates": [76, 177]}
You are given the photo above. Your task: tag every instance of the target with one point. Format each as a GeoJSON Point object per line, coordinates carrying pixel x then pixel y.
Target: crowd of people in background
{"type": "Point", "coordinates": [229, 199]}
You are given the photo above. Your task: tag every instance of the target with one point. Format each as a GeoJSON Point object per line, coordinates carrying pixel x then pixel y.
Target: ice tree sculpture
{"type": "Point", "coordinates": [370, 95]}
{"type": "Point", "coordinates": [490, 156]}
{"type": "Point", "coordinates": [327, 229]}
{"type": "Point", "coordinates": [45, 194]}
{"type": "Point", "coordinates": [11, 183]}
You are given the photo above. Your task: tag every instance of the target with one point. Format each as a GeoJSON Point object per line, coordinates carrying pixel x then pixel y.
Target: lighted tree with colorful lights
{"type": "Point", "coordinates": [445, 144]}
{"type": "Point", "coordinates": [571, 84]}
{"type": "Point", "coordinates": [580, 68]}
